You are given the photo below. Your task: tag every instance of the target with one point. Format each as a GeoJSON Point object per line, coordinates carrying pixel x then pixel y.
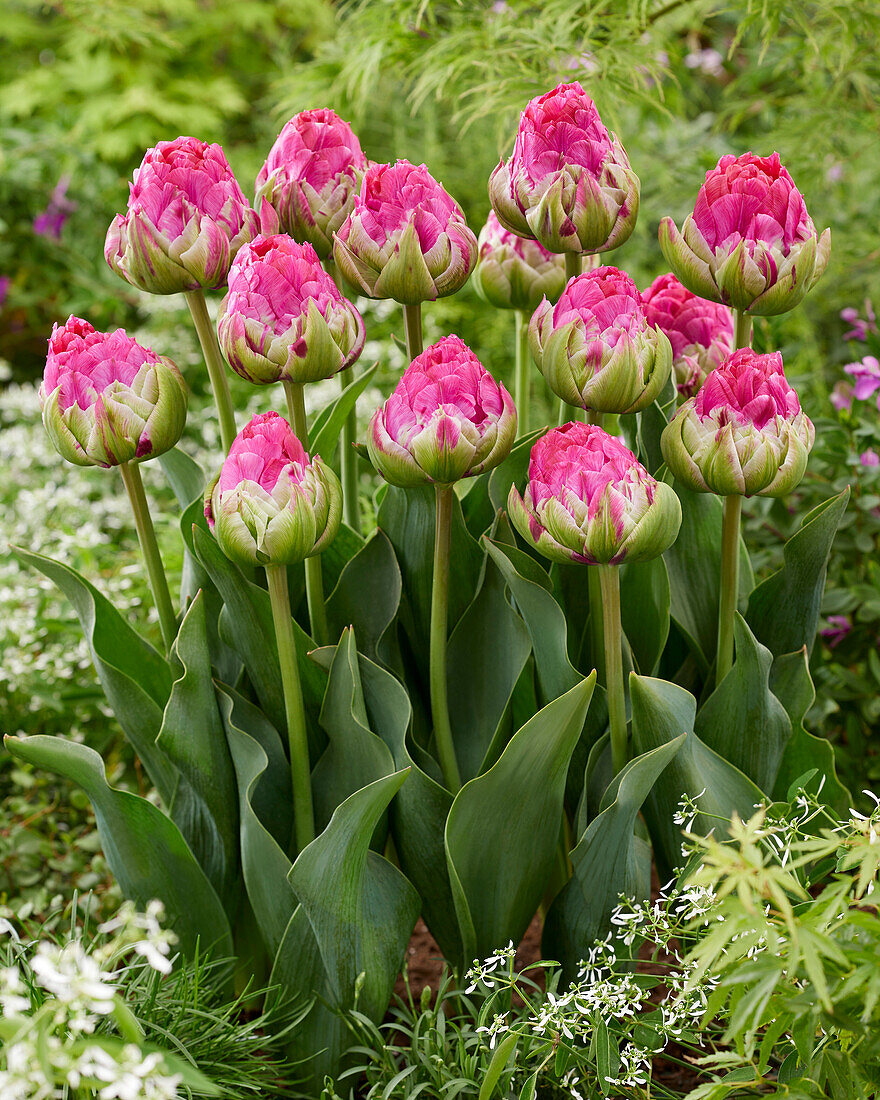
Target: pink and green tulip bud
{"type": "Point", "coordinates": [271, 504]}
{"type": "Point", "coordinates": [701, 332]}
{"type": "Point", "coordinates": [568, 183]}
{"type": "Point", "coordinates": [311, 177]}
{"type": "Point", "coordinates": [284, 318]}
{"type": "Point", "coordinates": [447, 419]}
{"type": "Point", "coordinates": [750, 242]}
{"type": "Point", "coordinates": [107, 400]}
{"type": "Point", "coordinates": [405, 238]}
{"type": "Point", "coordinates": [513, 272]}
{"type": "Point", "coordinates": [589, 499]}
{"type": "Point", "coordinates": [187, 217]}
{"type": "Point", "coordinates": [595, 346]}
{"type": "Point", "coordinates": [743, 434]}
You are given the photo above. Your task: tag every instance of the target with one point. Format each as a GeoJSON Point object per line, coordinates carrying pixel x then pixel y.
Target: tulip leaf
{"type": "Point", "coordinates": [514, 470]}
{"type": "Point", "coordinates": [354, 756]}
{"type": "Point", "coordinates": [500, 861]}
{"type": "Point", "coordinates": [644, 611]}
{"type": "Point", "coordinates": [650, 425]}
{"type": "Point", "coordinates": [808, 761]}
{"type": "Point", "coordinates": [367, 595]}
{"type": "Point", "coordinates": [346, 940]}
{"type": "Point", "coordinates": [184, 475]}
{"type": "Point", "coordinates": [347, 544]}
{"type": "Point", "coordinates": [144, 848]}
{"type": "Point", "coordinates": [204, 803]}
{"type": "Point", "coordinates": [742, 720]}
{"type": "Point", "coordinates": [661, 713]}
{"type": "Point", "coordinates": [136, 679]}
{"type": "Point", "coordinates": [783, 610]}
{"type": "Point", "coordinates": [608, 861]}
{"type": "Point", "coordinates": [327, 426]}
{"type": "Point", "coordinates": [265, 811]}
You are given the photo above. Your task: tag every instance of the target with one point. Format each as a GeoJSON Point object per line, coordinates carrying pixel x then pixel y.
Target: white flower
{"type": "Point", "coordinates": [73, 977]}
{"type": "Point", "coordinates": [24, 1077]}
{"type": "Point", "coordinates": [496, 1028]}
{"type": "Point", "coordinates": [13, 992]}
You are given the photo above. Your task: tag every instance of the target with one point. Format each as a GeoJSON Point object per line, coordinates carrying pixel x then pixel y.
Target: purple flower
{"type": "Point", "coordinates": [861, 326]}
{"type": "Point", "coordinates": [5, 283]}
{"type": "Point", "coordinates": [51, 221]}
{"type": "Point", "coordinates": [838, 628]}
{"type": "Point", "coordinates": [869, 458]}
{"type": "Point", "coordinates": [842, 396]}
{"type": "Point", "coordinates": [867, 375]}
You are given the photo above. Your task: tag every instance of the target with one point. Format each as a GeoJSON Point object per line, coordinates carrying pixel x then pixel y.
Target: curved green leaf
{"type": "Point", "coordinates": [500, 861]}
{"type": "Point", "coordinates": [324, 432]}
{"type": "Point", "coordinates": [145, 850]}
{"type": "Point", "coordinates": [136, 679]}
{"type": "Point", "coordinates": [367, 595]}
{"type": "Point", "coordinates": [644, 611]}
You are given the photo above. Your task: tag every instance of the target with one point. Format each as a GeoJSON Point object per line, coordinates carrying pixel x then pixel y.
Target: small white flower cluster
{"type": "Point", "coordinates": [486, 973]}
{"type": "Point", "coordinates": [140, 932]}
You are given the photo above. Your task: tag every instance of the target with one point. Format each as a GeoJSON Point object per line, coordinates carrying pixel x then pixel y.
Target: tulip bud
{"type": "Point", "coordinates": [589, 499]}
{"type": "Point", "coordinates": [568, 183]}
{"type": "Point", "coordinates": [701, 332]}
{"type": "Point", "coordinates": [271, 504]}
{"type": "Point", "coordinates": [311, 177]}
{"type": "Point", "coordinates": [513, 272]}
{"type": "Point", "coordinates": [405, 238]}
{"type": "Point", "coordinates": [750, 242]}
{"type": "Point", "coordinates": [447, 419]}
{"type": "Point", "coordinates": [284, 318]}
{"type": "Point", "coordinates": [744, 433]}
{"type": "Point", "coordinates": [187, 217]}
{"type": "Point", "coordinates": [107, 400]}
{"type": "Point", "coordinates": [595, 347]}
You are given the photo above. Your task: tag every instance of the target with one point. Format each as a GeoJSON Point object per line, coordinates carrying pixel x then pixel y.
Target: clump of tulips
{"type": "Point", "coordinates": [325, 689]}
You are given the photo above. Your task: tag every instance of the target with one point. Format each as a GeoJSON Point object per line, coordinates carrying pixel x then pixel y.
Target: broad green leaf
{"type": "Point", "coordinates": [204, 806]}
{"type": "Point", "coordinates": [650, 424]}
{"type": "Point", "coordinates": [644, 611]}
{"type": "Point", "coordinates": [503, 828]}
{"type": "Point", "coordinates": [346, 940]}
{"type": "Point", "coordinates": [367, 595]}
{"type": "Point", "coordinates": [485, 656]}
{"type": "Point", "coordinates": [513, 470]}
{"type": "Point", "coordinates": [135, 678]}
{"type": "Point", "coordinates": [184, 474]}
{"type": "Point", "coordinates": [742, 720]}
{"type": "Point", "coordinates": [503, 1053]}
{"type": "Point", "coordinates": [608, 861]}
{"type": "Point", "coordinates": [265, 811]}
{"type": "Point", "coordinates": [144, 848]}
{"type": "Point", "coordinates": [341, 551]}
{"type": "Point", "coordinates": [354, 756]}
{"type": "Point", "coordinates": [324, 432]}
{"type": "Point", "coordinates": [783, 610]}
{"type": "Point", "coordinates": [661, 714]}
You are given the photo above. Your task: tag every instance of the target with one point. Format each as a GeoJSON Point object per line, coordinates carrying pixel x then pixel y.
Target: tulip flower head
{"type": "Point", "coordinates": [588, 499]}
{"type": "Point", "coordinates": [744, 433]}
{"type": "Point", "coordinates": [596, 348]}
{"type": "Point", "coordinates": [701, 332]}
{"type": "Point", "coordinates": [447, 419]}
{"type": "Point", "coordinates": [405, 238]}
{"type": "Point", "coordinates": [187, 217]}
{"type": "Point", "coordinates": [568, 183]}
{"type": "Point", "coordinates": [271, 504]}
{"type": "Point", "coordinates": [284, 319]}
{"type": "Point", "coordinates": [107, 400]}
{"type": "Point", "coordinates": [513, 272]}
{"type": "Point", "coordinates": [312, 175]}
{"type": "Point", "coordinates": [750, 242]}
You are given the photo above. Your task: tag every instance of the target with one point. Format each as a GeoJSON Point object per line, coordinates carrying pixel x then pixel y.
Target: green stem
{"type": "Point", "coordinates": [523, 375]}
{"type": "Point", "coordinates": [300, 768]}
{"type": "Point", "coordinates": [412, 319]}
{"type": "Point", "coordinates": [573, 265]}
{"type": "Point", "coordinates": [296, 409]}
{"type": "Point", "coordinates": [439, 616]}
{"type": "Point", "coordinates": [595, 417]}
{"type": "Point", "coordinates": [597, 628]}
{"type": "Point", "coordinates": [348, 459]}
{"type": "Point", "coordinates": [729, 584]}
{"type": "Point", "coordinates": [743, 331]}
{"type": "Point", "coordinates": [131, 477]}
{"type": "Point", "coordinates": [215, 363]}
{"type": "Point", "coordinates": [609, 579]}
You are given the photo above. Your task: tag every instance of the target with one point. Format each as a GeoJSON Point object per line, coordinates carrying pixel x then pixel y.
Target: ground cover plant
{"type": "Point", "coordinates": [420, 644]}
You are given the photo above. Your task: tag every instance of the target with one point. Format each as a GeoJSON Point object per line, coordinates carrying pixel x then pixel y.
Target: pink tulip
{"type": "Point", "coordinates": [405, 238]}
{"type": "Point", "coordinates": [514, 272]}
{"type": "Point", "coordinates": [284, 318]}
{"type": "Point", "coordinates": [589, 499]}
{"type": "Point", "coordinates": [568, 183]}
{"type": "Point", "coordinates": [107, 400]}
{"type": "Point", "coordinates": [312, 175]}
{"type": "Point", "coordinates": [701, 332]}
{"type": "Point", "coordinates": [750, 242]}
{"type": "Point", "coordinates": [447, 419]}
{"type": "Point", "coordinates": [187, 217]}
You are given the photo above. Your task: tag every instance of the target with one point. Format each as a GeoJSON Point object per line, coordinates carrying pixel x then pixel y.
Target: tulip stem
{"type": "Point", "coordinates": [597, 625]}
{"type": "Point", "coordinates": [573, 265]}
{"type": "Point", "coordinates": [297, 738]}
{"type": "Point", "coordinates": [412, 319]}
{"type": "Point", "coordinates": [215, 363]}
{"type": "Point", "coordinates": [609, 581]}
{"type": "Point", "coordinates": [743, 331]}
{"type": "Point", "coordinates": [523, 379]}
{"type": "Point", "coordinates": [439, 622]}
{"type": "Point", "coordinates": [134, 486]}
{"type": "Point", "coordinates": [348, 470]}
{"type": "Point", "coordinates": [596, 417]}
{"type": "Point", "coordinates": [296, 409]}
{"type": "Point", "coordinates": [729, 584]}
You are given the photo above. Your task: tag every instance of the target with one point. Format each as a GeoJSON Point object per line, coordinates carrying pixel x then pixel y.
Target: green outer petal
{"type": "Point", "coordinates": [690, 270]}
{"type": "Point", "coordinates": [658, 530]}
{"type": "Point", "coordinates": [520, 515]}
{"type": "Point", "coordinates": [676, 455]}
{"type": "Point", "coordinates": [405, 276]}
